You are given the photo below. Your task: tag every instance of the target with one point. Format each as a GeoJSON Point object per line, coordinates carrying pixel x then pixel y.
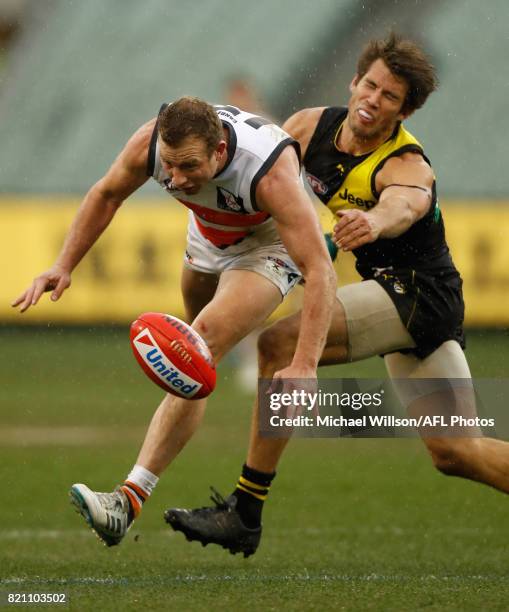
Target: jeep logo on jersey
{"type": "Point", "coordinates": [162, 367]}
{"type": "Point", "coordinates": [351, 199]}
{"type": "Point", "coordinates": [316, 184]}
{"type": "Point", "coordinates": [228, 201]}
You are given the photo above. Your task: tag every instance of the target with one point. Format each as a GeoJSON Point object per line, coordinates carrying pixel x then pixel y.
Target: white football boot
{"type": "Point", "coordinates": [106, 513]}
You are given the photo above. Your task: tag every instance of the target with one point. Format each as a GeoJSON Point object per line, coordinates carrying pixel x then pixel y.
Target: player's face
{"type": "Point", "coordinates": [189, 165]}
{"type": "Point", "coordinates": [376, 102]}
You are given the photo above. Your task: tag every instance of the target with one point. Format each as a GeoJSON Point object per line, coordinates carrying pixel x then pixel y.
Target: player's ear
{"type": "Point", "coordinates": [221, 148]}
{"type": "Point", "coordinates": [353, 83]}
{"type": "Point", "coordinates": [403, 115]}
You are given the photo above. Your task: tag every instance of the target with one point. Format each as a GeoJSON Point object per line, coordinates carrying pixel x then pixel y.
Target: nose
{"type": "Point", "coordinates": [178, 178]}
{"type": "Point", "coordinates": [374, 98]}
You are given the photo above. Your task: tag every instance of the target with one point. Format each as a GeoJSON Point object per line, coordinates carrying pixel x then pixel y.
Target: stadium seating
{"type": "Point", "coordinates": [86, 74]}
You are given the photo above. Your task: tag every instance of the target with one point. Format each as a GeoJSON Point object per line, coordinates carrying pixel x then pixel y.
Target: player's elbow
{"type": "Point", "coordinates": [102, 193]}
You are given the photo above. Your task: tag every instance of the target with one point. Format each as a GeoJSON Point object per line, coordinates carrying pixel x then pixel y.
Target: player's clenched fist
{"type": "Point", "coordinates": [56, 279]}
{"type": "Point", "coordinates": [355, 228]}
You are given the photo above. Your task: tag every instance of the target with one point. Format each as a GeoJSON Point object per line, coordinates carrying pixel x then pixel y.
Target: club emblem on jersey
{"type": "Point", "coordinates": [228, 201]}
{"type": "Point", "coordinates": [316, 184]}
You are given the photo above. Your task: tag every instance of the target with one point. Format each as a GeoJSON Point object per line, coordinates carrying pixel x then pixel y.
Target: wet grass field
{"type": "Point", "coordinates": [349, 525]}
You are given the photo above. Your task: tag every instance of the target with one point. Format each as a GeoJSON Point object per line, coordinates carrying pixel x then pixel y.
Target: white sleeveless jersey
{"type": "Point", "coordinates": [225, 210]}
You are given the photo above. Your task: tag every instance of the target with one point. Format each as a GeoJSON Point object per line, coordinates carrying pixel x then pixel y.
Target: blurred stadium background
{"type": "Point", "coordinates": [76, 79]}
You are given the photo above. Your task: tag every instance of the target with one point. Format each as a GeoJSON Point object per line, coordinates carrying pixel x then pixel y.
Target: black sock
{"type": "Point", "coordinates": [251, 492]}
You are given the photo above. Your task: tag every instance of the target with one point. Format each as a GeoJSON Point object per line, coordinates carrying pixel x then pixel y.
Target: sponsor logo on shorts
{"type": "Point", "coordinates": [274, 268]}
{"type": "Point", "coordinates": [162, 367]}
{"type": "Point", "coordinates": [399, 287]}
{"type": "Point", "coordinates": [317, 185]}
{"type": "Point", "coordinates": [382, 272]}
{"type": "Point", "coordinates": [281, 268]}
{"type": "Point", "coordinates": [280, 262]}
{"type": "Point", "coordinates": [293, 278]}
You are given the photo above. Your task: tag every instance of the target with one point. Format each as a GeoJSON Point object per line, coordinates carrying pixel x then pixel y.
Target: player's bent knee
{"type": "Point", "coordinates": [217, 338]}
{"type": "Point", "coordinates": [452, 456]}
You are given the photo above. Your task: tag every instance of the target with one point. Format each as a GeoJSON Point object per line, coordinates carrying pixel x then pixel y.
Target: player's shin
{"type": "Point", "coordinates": [172, 425]}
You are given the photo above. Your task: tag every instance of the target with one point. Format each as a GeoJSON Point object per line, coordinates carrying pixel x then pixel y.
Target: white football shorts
{"type": "Point", "coordinates": [263, 252]}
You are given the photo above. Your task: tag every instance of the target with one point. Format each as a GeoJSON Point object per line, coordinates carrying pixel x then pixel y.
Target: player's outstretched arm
{"type": "Point", "coordinates": [127, 173]}
{"type": "Point", "coordinates": [405, 184]}
{"type": "Point", "coordinates": [282, 194]}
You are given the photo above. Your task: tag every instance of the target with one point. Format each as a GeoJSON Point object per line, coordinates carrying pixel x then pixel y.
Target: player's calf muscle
{"type": "Point", "coordinates": [275, 349]}
{"type": "Point", "coordinates": [454, 457]}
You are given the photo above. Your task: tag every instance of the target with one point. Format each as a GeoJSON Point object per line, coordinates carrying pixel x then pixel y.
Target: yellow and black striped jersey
{"type": "Point", "coordinates": [342, 181]}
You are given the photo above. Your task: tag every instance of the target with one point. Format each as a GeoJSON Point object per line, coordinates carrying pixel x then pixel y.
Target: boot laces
{"type": "Point", "coordinates": [220, 504]}
{"type": "Point", "coordinates": [218, 499]}
{"type": "Point", "coordinates": [111, 501]}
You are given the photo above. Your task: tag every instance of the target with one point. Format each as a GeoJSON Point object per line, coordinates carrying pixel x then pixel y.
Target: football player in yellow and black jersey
{"type": "Point", "coordinates": [374, 176]}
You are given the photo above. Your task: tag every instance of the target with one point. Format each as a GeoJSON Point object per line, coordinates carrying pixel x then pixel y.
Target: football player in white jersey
{"type": "Point", "coordinates": [253, 233]}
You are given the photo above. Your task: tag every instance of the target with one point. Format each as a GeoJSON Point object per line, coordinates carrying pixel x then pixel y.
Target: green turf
{"type": "Point", "coordinates": [350, 524]}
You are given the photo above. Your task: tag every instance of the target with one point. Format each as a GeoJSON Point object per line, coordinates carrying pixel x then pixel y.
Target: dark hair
{"type": "Point", "coordinates": [407, 61]}
{"type": "Point", "coordinates": [190, 116]}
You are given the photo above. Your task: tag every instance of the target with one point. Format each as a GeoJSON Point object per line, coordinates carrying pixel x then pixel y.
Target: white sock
{"type": "Point", "coordinates": [143, 479]}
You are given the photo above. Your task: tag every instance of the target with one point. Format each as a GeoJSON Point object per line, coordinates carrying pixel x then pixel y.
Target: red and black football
{"type": "Point", "coordinates": [173, 355]}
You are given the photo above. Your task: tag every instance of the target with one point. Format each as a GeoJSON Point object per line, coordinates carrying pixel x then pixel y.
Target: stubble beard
{"type": "Point", "coordinates": [370, 135]}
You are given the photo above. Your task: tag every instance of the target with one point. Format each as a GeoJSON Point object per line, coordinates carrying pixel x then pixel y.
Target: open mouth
{"type": "Point", "coordinates": [365, 116]}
